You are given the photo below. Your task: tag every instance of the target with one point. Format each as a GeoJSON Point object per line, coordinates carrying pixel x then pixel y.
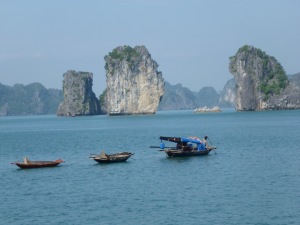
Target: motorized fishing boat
{"type": "Point", "coordinates": [112, 158]}
{"type": "Point", "coordinates": [191, 146]}
{"type": "Point", "coordinates": [28, 164]}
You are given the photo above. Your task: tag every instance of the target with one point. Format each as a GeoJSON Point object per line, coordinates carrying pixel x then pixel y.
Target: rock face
{"type": "Point", "coordinates": [133, 84]}
{"type": "Point", "coordinates": [289, 98]}
{"type": "Point", "coordinates": [295, 79]}
{"type": "Point", "coordinates": [79, 99]}
{"type": "Point", "coordinates": [228, 95]}
{"type": "Point", "coordinates": [261, 82]}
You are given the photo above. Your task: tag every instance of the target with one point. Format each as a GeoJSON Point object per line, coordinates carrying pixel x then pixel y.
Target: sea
{"type": "Point", "coordinates": [253, 177]}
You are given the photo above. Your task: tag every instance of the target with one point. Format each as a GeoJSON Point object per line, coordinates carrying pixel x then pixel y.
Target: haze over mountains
{"type": "Point", "coordinates": [177, 97]}
{"type": "Point", "coordinates": [35, 99]}
{"type": "Point", "coordinates": [32, 99]}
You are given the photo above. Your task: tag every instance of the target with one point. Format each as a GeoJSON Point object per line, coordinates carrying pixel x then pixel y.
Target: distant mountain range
{"type": "Point", "coordinates": [32, 99]}
{"type": "Point", "coordinates": [35, 99]}
{"type": "Point", "coordinates": [177, 97]}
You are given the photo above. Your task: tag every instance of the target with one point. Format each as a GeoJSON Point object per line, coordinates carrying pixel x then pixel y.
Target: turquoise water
{"type": "Point", "coordinates": [254, 177]}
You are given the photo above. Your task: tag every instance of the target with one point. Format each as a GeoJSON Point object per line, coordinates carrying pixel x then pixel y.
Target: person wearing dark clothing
{"type": "Point", "coordinates": [205, 141]}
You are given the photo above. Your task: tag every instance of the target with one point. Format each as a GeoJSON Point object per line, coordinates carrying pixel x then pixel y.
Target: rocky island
{"type": "Point", "coordinates": [261, 82]}
{"type": "Point", "coordinates": [79, 99]}
{"type": "Point", "coordinates": [133, 84]}
{"type": "Point", "coordinates": [206, 109]}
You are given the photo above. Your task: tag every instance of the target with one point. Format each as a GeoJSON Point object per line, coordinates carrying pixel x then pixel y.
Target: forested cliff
{"type": "Point", "coordinates": [261, 82]}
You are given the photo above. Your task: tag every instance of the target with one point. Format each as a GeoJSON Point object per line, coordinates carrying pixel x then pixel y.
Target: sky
{"type": "Point", "coordinates": [191, 40]}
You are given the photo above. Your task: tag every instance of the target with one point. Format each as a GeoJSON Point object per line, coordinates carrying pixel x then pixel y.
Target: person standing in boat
{"type": "Point", "coordinates": [205, 141]}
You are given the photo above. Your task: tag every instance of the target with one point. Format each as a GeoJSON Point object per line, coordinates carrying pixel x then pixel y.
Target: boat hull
{"type": "Point", "coordinates": [180, 153]}
{"type": "Point", "coordinates": [114, 158]}
{"type": "Point", "coordinates": [37, 164]}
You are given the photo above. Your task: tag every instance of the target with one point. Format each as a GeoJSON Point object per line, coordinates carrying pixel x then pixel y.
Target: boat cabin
{"type": "Point", "coordinates": [184, 144]}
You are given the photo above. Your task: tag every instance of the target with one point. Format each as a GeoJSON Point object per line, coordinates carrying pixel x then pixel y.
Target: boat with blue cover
{"type": "Point", "coordinates": [191, 146]}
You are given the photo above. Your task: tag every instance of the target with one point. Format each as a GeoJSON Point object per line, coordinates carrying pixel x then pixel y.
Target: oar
{"type": "Point", "coordinates": [163, 149]}
{"type": "Point", "coordinates": [159, 147]}
{"type": "Point", "coordinates": [154, 147]}
{"type": "Point", "coordinates": [211, 144]}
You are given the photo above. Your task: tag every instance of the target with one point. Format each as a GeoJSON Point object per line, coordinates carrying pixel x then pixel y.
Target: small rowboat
{"type": "Point", "coordinates": [105, 158]}
{"type": "Point", "coordinates": [27, 164]}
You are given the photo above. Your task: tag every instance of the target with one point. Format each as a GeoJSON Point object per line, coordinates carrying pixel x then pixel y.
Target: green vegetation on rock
{"type": "Point", "coordinates": [243, 49]}
{"type": "Point", "coordinates": [274, 78]}
{"type": "Point", "coordinates": [126, 53]}
{"type": "Point", "coordinates": [122, 53]}
{"type": "Point", "coordinates": [102, 97]}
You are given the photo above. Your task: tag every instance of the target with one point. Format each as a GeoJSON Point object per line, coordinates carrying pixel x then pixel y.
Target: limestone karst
{"type": "Point", "coordinates": [79, 98]}
{"type": "Point", "coordinates": [261, 82]}
{"type": "Point", "coordinates": [133, 83]}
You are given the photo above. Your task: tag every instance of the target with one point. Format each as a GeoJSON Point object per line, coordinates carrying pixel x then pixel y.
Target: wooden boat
{"type": "Point", "coordinates": [181, 153]}
{"type": "Point", "coordinates": [27, 164]}
{"type": "Point", "coordinates": [191, 146]}
{"type": "Point", "coordinates": [117, 157]}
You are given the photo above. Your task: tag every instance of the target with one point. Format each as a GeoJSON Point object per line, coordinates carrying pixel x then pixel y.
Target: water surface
{"type": "Point", "coordinates": [253, 178]}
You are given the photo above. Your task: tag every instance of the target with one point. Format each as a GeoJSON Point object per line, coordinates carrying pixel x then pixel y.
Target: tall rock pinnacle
{"type": "Point", "coordinates": [79, 99]}
{"type": "Point", "coordinates": [261, 82]}
{"type": "Point", "coordinates": [134, 86]}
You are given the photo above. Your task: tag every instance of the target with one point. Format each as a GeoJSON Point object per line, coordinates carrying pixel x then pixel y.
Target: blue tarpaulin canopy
{"type": "Point", "coordinates": [184, 141]}
{"type": "Point", "coordinates": [192, 140]}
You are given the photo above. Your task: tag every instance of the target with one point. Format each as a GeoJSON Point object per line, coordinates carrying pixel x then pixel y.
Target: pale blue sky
{"type": "Point", "coordinates": [191, 40]}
